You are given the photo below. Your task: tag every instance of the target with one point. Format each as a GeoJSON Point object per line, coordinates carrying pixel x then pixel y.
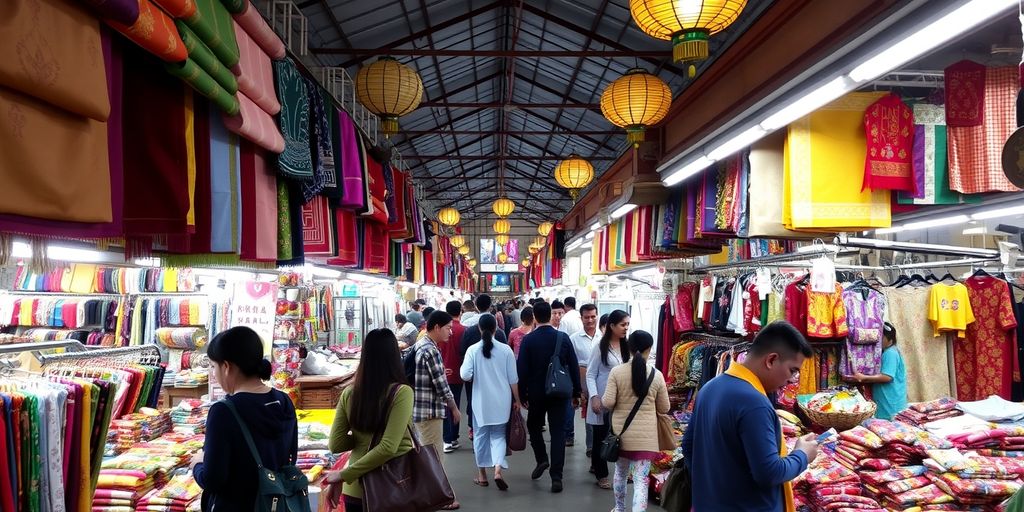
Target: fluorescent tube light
{"type": "Point", "coordinates": [889, 231]}
{"type": "Point", "coordinates": [366, 279]}
{"type": "Point", "coordinates": [590, 236]}
{"type": "Point", "coordinates": [808, 103]}
{"type": "Point", "coordinates": [688, 170]}
{"type": "Point", "coordinates": [574, 245]}
{"type": "Point", "coordinates": [930, 37]}
{"type": "Point", "coordinates": [934, 223]}
{"type": "Point", "coordinates": [329, 273]}
{"type": "Point", "coordinates": [622, 210]}
{"type": "Point", "coordinates": [975, 231]}
{"type": "Point", "coordinates": [595, 226]}
{"type": "Point", "coordinates": [1001, 212]}
{"type": "Point", "coordinates": [815, 247]}
{"type": "Point", "coordinates": [737, 143]}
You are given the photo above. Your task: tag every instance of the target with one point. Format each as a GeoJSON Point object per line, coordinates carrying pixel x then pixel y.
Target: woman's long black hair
{"type": "Point", "coordinates": [488, 324]}
{"type": "Point", "coordinates": [639, 342]}
{"type": "Point", "coordinates": [614, 318]}
{"type": "Point", "coordinates": [380, 367]}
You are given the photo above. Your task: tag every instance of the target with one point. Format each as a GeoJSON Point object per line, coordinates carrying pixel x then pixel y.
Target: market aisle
{"type": "Point", "coordinates": [525, 494]}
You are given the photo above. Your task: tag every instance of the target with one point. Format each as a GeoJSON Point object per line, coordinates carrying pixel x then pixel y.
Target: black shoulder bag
{"type": "Point", "coordinates": [610, 447]}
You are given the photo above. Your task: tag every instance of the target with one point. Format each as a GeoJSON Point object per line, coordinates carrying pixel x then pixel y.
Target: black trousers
{"type": "Point", "coordinates": [600, 465]}
{"type": "Point", "coordinates": [554, 411]}
{"type": "Point", "coordinates": [352, 504]}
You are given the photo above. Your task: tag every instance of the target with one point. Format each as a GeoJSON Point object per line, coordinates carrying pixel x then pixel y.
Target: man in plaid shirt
{"type": "Point", "coordinates": [432, 396]}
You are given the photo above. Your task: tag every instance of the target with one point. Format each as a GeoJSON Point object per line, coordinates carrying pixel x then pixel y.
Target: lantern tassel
{"type": "Point", "coordinates": [690, 45]}
{"type": "Point", "coordinates": [635, 134]}
{"type": "Point", "coordinates": [388, 125]}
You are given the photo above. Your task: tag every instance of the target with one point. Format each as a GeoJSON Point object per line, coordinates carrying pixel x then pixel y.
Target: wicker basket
{"type": "Point", "coordinates": [839, 420]}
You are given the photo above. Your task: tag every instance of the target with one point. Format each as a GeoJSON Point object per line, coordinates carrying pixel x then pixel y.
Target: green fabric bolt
{"type": "Point", "coordinates": [284, 223]}
{"type": "Point", "coordinates": [212, 23]}
{"type": "Point", "coordinates": [199, 52]}
{"type": "Point", "coordinates": [194, 75]}
{"type": "Point", "coordinates": [235, 6]}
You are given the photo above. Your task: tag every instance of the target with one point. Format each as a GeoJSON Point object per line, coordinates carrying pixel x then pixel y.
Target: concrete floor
{"type": "Point", "coordinates": [524, 494]}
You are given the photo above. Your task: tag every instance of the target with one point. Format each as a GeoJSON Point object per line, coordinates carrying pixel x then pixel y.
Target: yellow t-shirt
{"type": "Point", "coordinates": [949, 309]}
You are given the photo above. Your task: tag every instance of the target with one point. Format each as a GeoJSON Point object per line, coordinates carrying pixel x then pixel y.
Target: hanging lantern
{"type": "Point", "coordinates": [457, 241]}
{"type": "Point", "coordinates": [574, 173]}
{"type": "Point", "coordinates": [471, 262]}
{"type": "Point", "coordinates": [526, 262]}
{"type": "Point", "coordinates": [688, 23]}
{"type": "Point", "coordinates": [544, 228]}
{"type": "Point", "coordinates": [540, 241]}
{"type": "Point", "coordinates": [464, 250]}
{"type": "Point", "coordinates": [502, 257]}
{"type": "Point", "coordinates": [502, 226]}
{"type": "Point", "coordinates": [534, 249]}
{"type": "Point", "coordinates": [448, 216]}
{"type": "Point", "coordinates": [503, 207]}
{"type": "Point", "coordinates": [389, 89]}
{"type": "Point", "coordinates": [501, 240]}
{"type": "Point", "coordinates": [635, 101]}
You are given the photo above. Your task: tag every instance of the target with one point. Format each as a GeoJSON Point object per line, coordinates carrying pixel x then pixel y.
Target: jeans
{"type": "Point", "coordinates": [590, 437]}
{"type": "Point", "coordinates": [451, 429]}
{"type": "Point", "coordinates": [554, 411]}
{"type": "Point", "coordinates": [600, 465]}
{"type": "Point", "coordinates": [570, 422]}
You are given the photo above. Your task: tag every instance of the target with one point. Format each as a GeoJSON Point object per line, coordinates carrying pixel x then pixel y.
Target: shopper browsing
{"type": "Point", "coordinates": [889, 386]}
{"type": "Point", "coordinates": [583, 344]}
{"type": "Point", "coordinates": [491, 367]}
{"type": "Point", "coordinates": [612, 350]}
{"type": "Point", "coordinates": [405, 330]}
{"type": "Point", "coordinates": [452, 364]}
{"type": "Point", "coordinates": [225, 468]}
{"type": "Point", "coordinates": [472, 335]}
{"type": "Point", "coordinates": [734, 447]}
{"type": "Point", "coordinates": [557, 312]}
{"type": "Point", "coordinates": [364, 412]}
{"type": "Point", "coordinates": [535, 355]}
{"type": "Point", "coordinates": [572, 321]}
{"type": "Point", "coordinates": [628, 384]}
{"type": "Point", "coordinates": [527, 323]}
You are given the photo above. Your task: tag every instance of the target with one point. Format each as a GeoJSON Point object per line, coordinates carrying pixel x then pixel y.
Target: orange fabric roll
{"type": "Point", "coordinates": [155, 32]}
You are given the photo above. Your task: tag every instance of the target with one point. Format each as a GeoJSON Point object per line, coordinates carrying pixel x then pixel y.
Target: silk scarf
{"type": "Point", "coordinates": [295, 161]}
{"type": "Point", "coordinates": [225, 188]}
{"type": "Point", "coordinates": [353, 195]}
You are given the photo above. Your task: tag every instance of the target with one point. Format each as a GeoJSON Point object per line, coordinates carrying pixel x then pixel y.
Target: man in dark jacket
{"type": "Point", "coordinates": [471, 336]}
{"type": "Point", "coordinates": [535, 355]}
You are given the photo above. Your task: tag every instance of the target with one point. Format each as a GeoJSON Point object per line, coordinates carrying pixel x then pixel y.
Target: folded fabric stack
{"type": "Point", "coordinates": [127, 486]}
{"type": "Point", "coordinates": [927, 412]}
{"type": "Point", "coordinates": [309, 458]}
{"type": "Point", "coordinates": [904, 487]}
{"type": "Point", "coordinates": [1004, 438]}
{"type": "Point", "coordinates": [791, 425]}
{"type": "Point", "coordinates": [975, 491]}
{"type": "Point", "coordinates": [175, 496]}
{"type": "Point", "coordinates": [110, 500]}
{"type": "Point", "coordinates": [189, 417]}
{"type": "Point", "coordinates": [827, 485]}
{"type": "Point", "coordinates": [859, 448]}
{"type": "Point", "coordinates": [137, 428]}
{"type": "Point", "coordinates": [188, 338]}
{"type": "Point", "coordinates": [191, 378]}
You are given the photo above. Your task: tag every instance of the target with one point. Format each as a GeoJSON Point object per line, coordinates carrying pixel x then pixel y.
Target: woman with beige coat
{"type": "Point", "coordinates": [639, 442]}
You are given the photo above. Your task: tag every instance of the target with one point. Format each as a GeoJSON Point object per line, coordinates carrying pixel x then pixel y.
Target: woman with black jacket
{"type": "Point", "coordinates": [225, 468]}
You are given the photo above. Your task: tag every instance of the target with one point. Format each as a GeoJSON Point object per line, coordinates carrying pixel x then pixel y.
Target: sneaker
{"type": "Point", "coordinates": [448, 448]}
{"type": "Point", "coordinates": [556, 486]}
{"type": "Point", "coordinates": [570, 443]}
{"type": "Point", "coordinates": [456, 445]}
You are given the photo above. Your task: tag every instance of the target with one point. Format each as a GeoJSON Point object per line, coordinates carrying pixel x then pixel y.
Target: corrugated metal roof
{"type": "Point", "coordinates": [474, 112]}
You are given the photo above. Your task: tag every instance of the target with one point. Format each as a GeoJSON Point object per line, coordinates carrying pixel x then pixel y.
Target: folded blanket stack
{"type": "Point", "coordinates": [904, 487]}
{"type": "Point", "coordinates": [176, 496]}
{"type": "Point", "coordinates": [827, 485]}
{"type": "Point", "coordinates": [926, 412]}
{"type": "Point", "coordinates": [121, 488]}
{"type": "Point", "coordinates": [137, 428]}
{"type": "Point", "coordinates": [1004, 438]}
{"type": "Point", "coordinates": [189, 417]}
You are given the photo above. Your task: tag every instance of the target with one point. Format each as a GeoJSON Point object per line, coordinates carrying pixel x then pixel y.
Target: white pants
{"type": "Point", "coordinates": [489, 446]}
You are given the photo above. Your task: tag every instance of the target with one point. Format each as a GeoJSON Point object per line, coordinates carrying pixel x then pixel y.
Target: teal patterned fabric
{"type": "Point", "coordinates": [296, 161]}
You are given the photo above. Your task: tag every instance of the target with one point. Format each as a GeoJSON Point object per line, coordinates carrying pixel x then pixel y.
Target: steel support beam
{"type": "Point", "coordinates": [524, 106]}
{"type": "Point", "coordinates": [430, 158]}
{"type": "Point", "coordinates": [536, 133]}
{"type": "Point", "coordinates": [540, 54]}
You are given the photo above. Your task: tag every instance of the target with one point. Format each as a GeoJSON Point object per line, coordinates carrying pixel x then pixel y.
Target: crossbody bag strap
{"type": "Point", "coordinates": [378, 436]}
{"type": "Point", "coordinates": [639, 401]}
{"type": "Point", "coordinates": [245, 432]}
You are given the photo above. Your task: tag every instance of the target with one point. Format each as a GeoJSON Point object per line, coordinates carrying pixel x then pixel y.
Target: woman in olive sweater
{"type": "Point", "coordinates": [367, 410]}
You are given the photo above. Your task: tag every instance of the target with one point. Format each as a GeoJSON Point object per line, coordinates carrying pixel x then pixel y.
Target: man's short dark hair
{"type": "Point", "coordinates": [438, 319]}
{"type": "Point", "coordinates": [427, 311]}
{"type": "Point", "coordinates": [483, 303]}
{"type": "Point", "coordinates": [453, 308]}
{"type": "Point", "coordinates": [588, 307]}
{"type": "Point", "coordinates": [603, 321]}
{"type": "Point", "coordinates": [542, 312]}
{"type": "Point", "coordinates": [557, 304]}
{"type": "Point", "coordinates": [781, 337]}
{"type": "Point", "coordinates": [526, 315]}
{"type": "Point", "coordinates": [400, 318]}
{"type": "Point", "coordinates": [468, 306]}
{"type": "Point", "coordinates": [570, 302]}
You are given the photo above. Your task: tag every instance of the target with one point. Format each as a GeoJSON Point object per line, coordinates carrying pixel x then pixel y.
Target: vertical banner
{"type": "Point", "coordinates": [253, 305]}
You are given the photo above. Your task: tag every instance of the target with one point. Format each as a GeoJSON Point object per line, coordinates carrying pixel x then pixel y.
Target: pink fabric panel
{"type": "Point", "coordinates": [254, 124]}
{"type": "Point", "coordinates": [254, 24]}
{"type": "Point", "coordinates": [254, 72]}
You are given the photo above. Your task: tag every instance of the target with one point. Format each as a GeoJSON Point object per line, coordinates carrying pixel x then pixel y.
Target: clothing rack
{"type": "Point", "coordinates": [63, 295]}
{"type": "Point", "coordinates": [142, 354]}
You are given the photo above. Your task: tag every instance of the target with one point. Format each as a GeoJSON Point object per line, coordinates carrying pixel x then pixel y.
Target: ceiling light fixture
{"type": "Point", "coordinates": [622, 210]}
{"type": "Point", "coordinates": [688, 170]}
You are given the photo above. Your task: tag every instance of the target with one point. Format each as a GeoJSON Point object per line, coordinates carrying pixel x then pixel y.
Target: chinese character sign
{"type": "Point", "coordinates": [253, 305]}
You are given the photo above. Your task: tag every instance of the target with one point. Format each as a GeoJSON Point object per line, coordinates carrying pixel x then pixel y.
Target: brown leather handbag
{"type": "Point", "coordinates": [412, 482]}
{"type": "Point", "coordinates": [516, 431]}
{"type": "Point", "coordinates": [666, 434]}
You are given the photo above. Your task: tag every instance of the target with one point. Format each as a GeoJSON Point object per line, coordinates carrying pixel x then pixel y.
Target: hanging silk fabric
{"type": "Point", "coordinates": [352, 162]}
{"type": "Point", "coordinates": [889, 129]}
{"type": "Point", "coordinates": [322, 150]}
{"type": "Point", "coordinates": [259, 205]}
{"type": "Point", "coordinates": [225, 188]}
{"type": "Point", "coordinates": [931, 166]}
{"type": "Point", "coordinates": [205, 72]}
{"type": "Point", "coordinates": [296, 160]}
{"type": "Point", "coordinates": [767, 164]}
{"type": "Point", "coordinates": [198, 239]}
{"type": "Point", "coordinates": [290, 245]}
{"type": "Point", "coordinates": [256, 96]}
{"type": "Point", "coordinates": [824, 170]}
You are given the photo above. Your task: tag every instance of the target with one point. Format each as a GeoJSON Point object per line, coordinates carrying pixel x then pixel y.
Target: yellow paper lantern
{"type": "Point", "coordinates": [457, 241]}
{"type": "Point", "coordinates": [574, 173]}
{"type": "Point", "coordinates": [545, 228]}
{"type": "Point", "coordinates": [687, 23]}
{"type": "Point", "coordinates": [448, 216]}
{"type": "Point", "coordinates": [526, 262]}
{"type": "Point", "coordinates": [534, 249]}
{"type": "Point", "coordinates": [501, 240]}
{"type": "Point", "coordinates": [389, 89]}
{"type": "Point", "coordinates": [540, 241]}
{"type": "Point", "coordinates": [502, 257]}
{"type": "Point", "coordinates": [502, 226]}
{"type": "Point", "coordinates": [464, 250]}
{"type": "Point", "coordinates": [503, 207]}
{"type": "Point", "coordinates": [472, 262]}
{"type": "Point", "coordinates": [635, 101]}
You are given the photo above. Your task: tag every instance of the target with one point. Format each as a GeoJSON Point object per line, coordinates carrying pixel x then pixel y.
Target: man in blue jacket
{"type": "Point", "coordinates": [733, 446]}
{"type": "Point", "coordinates": [535, 355]}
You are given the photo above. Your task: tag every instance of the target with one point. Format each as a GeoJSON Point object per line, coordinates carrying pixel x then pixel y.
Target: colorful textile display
{"type": "Point", "coordinates": [255, 125]}
{"type": "Point", "coordinates": [965, 94]}
{"type": "Point", "coordinates": [121, 11]}
{"type": "Point", "coordinates": [154, 31]}
{"type": "Point", "coordinates": [824, 177]}
{"type": "Point", "coordinates": [259, 205]}
{"type": "Point", "coordinates": [889, 128]}
{"type": "Point", "coordinates": [178, 8]}
{"type": "Point", "coordinates": [864, 312]}
{"type": "Point", "coordinates": [193, 73]}
{"type": "Point", "coordinates": [975, 151]}
{"type": "Point", "coordinates": [983, 360]}
{"type": "Point", "coordinates": [201, 54]}
{"type": "Point", "coordinates": [255, 73]}
{"type": "Point", "coordinates": [212, 23]}
{"type": "Point", "coordinates": [181, 337]}
{"type": "Point", "coordinates": [295, 161]}
{"type": "Point", "coordinates": [921, 413]}
{"type": "Point", "coordinates": [252, 21]}
{"type": "Point", "coordinates": [931, 165]}
{"type": "Point", "coordinates": [318, 227]}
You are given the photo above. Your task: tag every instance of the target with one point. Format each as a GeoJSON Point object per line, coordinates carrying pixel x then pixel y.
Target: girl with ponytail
{"type": "Point", "coordinates": [628, 385]}
{"type": "Point", "coordinates": [491, 367]}
{"type": "Point", "coordinates": [229, 475]}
